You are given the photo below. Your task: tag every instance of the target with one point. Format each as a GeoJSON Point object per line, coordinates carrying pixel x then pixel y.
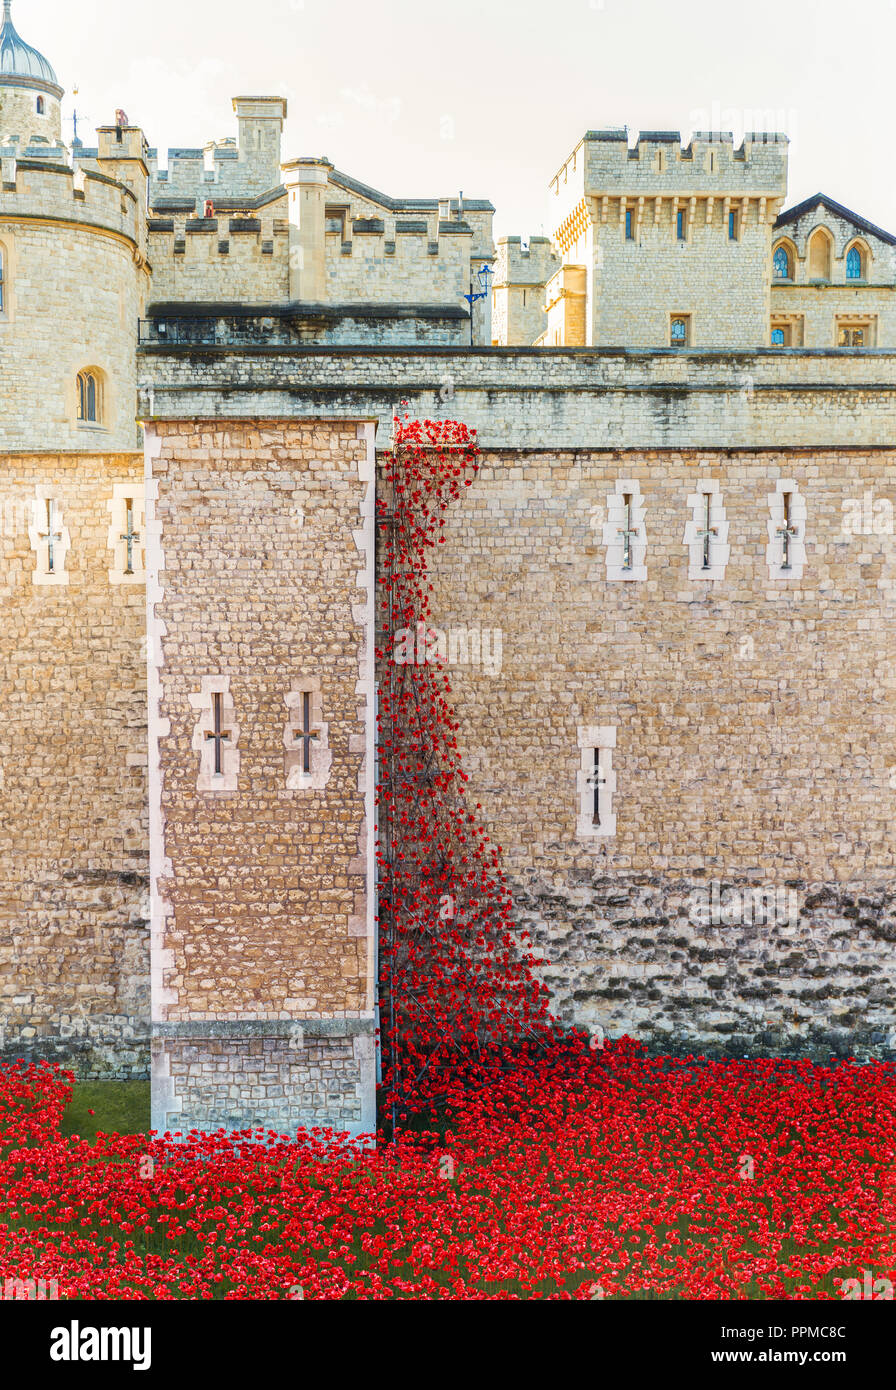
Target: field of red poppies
{"type": "Point", "coordinates": [601, 1175]}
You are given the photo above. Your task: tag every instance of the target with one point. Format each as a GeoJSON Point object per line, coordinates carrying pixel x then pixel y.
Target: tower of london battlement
{"type": "Point", "coordinates": [34, 189]}
{"type": "Point", "coordinates": [518, 303]}
{"type": "Point", "coordinates": [75, 276]}
{"type": "Point", "coordinates": [604, 167]}
{"type": "Point", "coordinates": [519, 263]}
{"type": "Point", "coordinates": [75, 281]}
{"type": "Point", "coordinates": [320, 255]}
{"type": "Point", "coordinates": [662, 242]}
{"type": "Point", "coordinates": [246, 167]}
{"type": "Point", "coordinates": [658, 162]}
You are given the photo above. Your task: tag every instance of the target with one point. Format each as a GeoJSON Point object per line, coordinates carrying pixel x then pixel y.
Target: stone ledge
{"type": "Point", "coordinates": [266, 1028]}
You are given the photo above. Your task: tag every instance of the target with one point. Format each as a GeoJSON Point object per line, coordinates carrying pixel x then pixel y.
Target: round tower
{"type": "Point", "coordinates": [29, 92]}
{"type": "Point", "coordinates": [73, 270]}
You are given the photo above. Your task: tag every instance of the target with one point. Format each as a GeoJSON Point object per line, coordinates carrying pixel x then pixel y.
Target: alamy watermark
{"type": "Point", "coordinates": [766, 905]}
{"type": "Point", "coordinates": [867, 515]}
{"type": "Point", "coordinates": [455, 646]}
{"type": "Point", "coordinates": [30, 1290]}
{"type": "Point", "coordinates": [868, 1288]}
{"type": "Point", "coordinates": [745, 120]}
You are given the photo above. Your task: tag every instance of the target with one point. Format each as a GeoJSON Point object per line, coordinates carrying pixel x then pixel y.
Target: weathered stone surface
{"type": "Point", "coordinates": [74, 873]}
{"type": "Point", "coordinates": [627, 956]}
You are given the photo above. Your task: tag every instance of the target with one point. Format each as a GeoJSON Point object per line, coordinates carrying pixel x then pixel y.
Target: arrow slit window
{"type": "Point", "coordinates": [308, 759]}
{"type": "Point", "coordinates": [596, 783]}
{"type": "Point", "coordinates": [706, 534]}
{"type": "Point", "coordinates": [215, 736]}
{"type": "Point", "coordinates": [625, 533]}
{"type": "Point", "coordinates": [786, 550]}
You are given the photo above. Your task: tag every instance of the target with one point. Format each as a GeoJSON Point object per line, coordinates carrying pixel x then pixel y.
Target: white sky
{"type": "Point", "coordinates": [489, 96]}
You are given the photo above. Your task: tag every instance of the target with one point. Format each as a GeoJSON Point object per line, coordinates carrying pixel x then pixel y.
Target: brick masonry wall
{"type": "Point", "coordinates": [722, 285]}
{"type": "Point", "coordinates": [262, 543]}
{"type": "Point", "coordinates": [244, 1082]}
{"type": "Point", "coordinates": [754, 742]}
{"type": "Point", "coordinates": [74, 903]}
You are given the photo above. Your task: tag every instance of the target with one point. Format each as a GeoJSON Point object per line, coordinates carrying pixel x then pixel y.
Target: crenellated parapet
{"type": "Point", "coordinates": [246, 167]}
{"type": "Point", "coordinates": [351, 244]}
{"type": "Point", "coordinates": [230, 258]}
{"type": "Point", "coordinates": [47, 189]}
{"type": "Point", "coordinates": [674, 240]}
{"type": "Point", "coordinates": [604, 178]}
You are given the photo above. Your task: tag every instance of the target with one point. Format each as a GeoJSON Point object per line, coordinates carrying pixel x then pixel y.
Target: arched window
{"type": "Point", "coordinates": [678, 333]}
{"type": "Point", "coordinates": [777, 337]}
{"type": "Point", "coordinates": [782, 264]}
{"type": "Point", "coordinates": [89, 397]}
{"type": "Point", "coordinates": [855, 267]}
{"type": "Point", "coordinates": [820, 256]}
{"type": "Point", "coordinates": [40, 106]}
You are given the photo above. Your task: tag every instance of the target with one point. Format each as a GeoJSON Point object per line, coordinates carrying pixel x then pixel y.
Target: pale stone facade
{"type": "Point", "coordinates": [518, 299]}
{"type": "Point", "coordinates": [833, 290]}
{"type": "Point", "coordinates": [661, 244]}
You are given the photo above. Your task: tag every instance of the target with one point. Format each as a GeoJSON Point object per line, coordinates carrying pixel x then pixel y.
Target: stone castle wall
{"type": "Point", "coordinates": [21, 122]}
{"type": "Point", "coordinates": [821, 311]}
{"type": "Point", "coordinates": [720, 285]}
{"type": "Point", "coordinates": [261, 567]}
{"type": "Point", "coordinates": [246, 167]}
{"type": "Point", "coordinates": [635, 284]}
{"type": "Point", "coordinates": [519, 399]}
{"type": "Point", "coordinates": [749, 720]}
{"type": "Point", "coordinates": [74, 901]}
{"type": "Point", "coordinates": [226, 260]}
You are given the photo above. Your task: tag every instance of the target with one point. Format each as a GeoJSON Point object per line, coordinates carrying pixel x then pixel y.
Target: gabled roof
{"type": "Point", "coordinates": [790, 215]}
{"type": "Point", "coordinates": [403, 204]}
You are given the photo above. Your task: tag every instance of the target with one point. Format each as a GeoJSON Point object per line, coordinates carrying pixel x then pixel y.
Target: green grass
{"type": "Point", "coordinates": [120, 1107]}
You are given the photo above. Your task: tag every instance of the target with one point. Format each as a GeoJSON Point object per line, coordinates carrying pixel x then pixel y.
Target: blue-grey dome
{"type": "Point", "coordinates": [20, 64]}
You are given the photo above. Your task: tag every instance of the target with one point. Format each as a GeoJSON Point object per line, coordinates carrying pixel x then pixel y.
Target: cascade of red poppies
{"type": "Point", "coordinates": [459, 1000]}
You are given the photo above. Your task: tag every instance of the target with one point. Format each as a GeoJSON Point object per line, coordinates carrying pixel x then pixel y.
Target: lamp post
{"type": "Point", "coordinates": [483, 275]}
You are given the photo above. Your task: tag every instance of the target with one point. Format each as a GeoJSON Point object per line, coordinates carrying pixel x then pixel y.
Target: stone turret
{"type": "Point", "coordinates": [29, 92]}
{"type": "Point", "coordinates": [664, 244]}
{"type": "Point", "coordinates": [74, 269]}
